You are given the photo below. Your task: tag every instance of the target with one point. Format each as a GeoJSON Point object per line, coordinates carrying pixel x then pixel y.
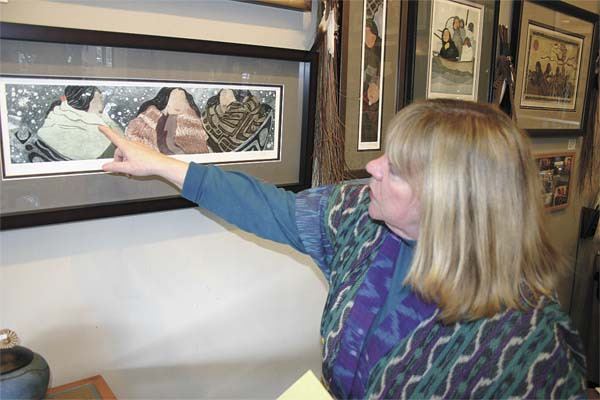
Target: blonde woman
{"type": "Point", "coordinates": [441, 277]}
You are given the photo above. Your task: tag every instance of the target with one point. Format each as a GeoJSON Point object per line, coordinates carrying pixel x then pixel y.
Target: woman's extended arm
{"type": "Point", "coordinates": [253, 206]}
{"type": "Point", "coordinates": [136, 159]}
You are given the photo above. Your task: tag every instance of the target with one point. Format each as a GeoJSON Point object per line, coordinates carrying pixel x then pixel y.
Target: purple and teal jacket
{"type": "Point", "coordinates": [380, 339]}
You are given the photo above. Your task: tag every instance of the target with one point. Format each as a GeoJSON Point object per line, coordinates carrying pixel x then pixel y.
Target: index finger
{"type": "Point", "coordinates": [111, 135]}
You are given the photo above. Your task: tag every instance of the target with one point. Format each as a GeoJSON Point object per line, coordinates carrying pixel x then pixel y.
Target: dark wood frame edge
{"type": "Point", "coordinates": [403, 57]}
{"type": "Point", "coordinates": [413, 9]}
{"type": "Point", "coordinates": [566, 8]}
{"type": "Point", "coordinates": [39, 33]}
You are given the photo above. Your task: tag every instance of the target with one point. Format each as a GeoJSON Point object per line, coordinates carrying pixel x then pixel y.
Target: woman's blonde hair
{"type": "Point", "coordinates": [482, 247]}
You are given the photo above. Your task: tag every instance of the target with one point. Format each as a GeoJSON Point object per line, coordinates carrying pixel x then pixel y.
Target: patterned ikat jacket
{"type": "Point", "coordinates": [405, 352]}
{"type": "Point", "coordinates": [380, 340]}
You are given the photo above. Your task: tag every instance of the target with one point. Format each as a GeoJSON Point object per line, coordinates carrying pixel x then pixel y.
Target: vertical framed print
{"type": "Point", "coordinates": [455, 56]}
{"type": "Point", "coordinates": [450, 49]}
{"type": "Point", "coordinates": [555, 47]}
{"type": "Point", "coordinates": [371, 74]}
{"type": "Point", "coordinates": [372, 65]}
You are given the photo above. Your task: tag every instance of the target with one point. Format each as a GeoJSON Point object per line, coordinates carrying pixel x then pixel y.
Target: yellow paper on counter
{"type": "Point", "coordinates": [307, 387]}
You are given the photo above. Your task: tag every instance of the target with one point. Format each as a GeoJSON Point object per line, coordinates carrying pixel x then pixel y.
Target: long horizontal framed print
{"type": "Point", "coordinates": [50, 126]}
{"type": "Point", "coordinates": [450, 49]}
{"type": "Point", "coordinates": [371, 67]}
{"type": "Point", "coordinates": [555, 47]}
{"type": "Point", "coordinates": [246, 108]}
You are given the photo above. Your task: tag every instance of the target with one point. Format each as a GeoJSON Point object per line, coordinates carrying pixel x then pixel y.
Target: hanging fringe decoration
{"type": "Point", "coordinates": [504, 81]}
{"type": "Point", "coordinates": [588, 179]}
{"type": "Point", "coordinates": [329, 131]}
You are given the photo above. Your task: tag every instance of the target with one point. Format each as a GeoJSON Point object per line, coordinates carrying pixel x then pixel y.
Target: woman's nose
{"type": "Point", "coordinates": [374, 167]}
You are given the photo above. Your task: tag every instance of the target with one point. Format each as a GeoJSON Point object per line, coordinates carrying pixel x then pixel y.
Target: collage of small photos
{"type": "Point", "coordinates": [555, 175]}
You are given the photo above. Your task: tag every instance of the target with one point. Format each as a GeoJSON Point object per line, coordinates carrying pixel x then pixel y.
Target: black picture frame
{"type": "Point", "coordinates": [306, 62]}
{"type": "Point", "coordinates": [519, 42]}
{"type": "Point", "coordinates": [393, 71]}
{"type": "Point", "coordinates": [417, 50]}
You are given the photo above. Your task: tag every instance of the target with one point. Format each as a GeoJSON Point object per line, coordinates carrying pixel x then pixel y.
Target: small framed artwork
{"type": "Point", "coordinates": [371, 76]}
{"type": "Point", "coordinates": [453, 62]}
{"type": "Point", "coordinates": [555, 51]}
{"type": "Point", "coordinates": [246, 108]}
{"type": "Point", "coordinates": [373, 37]}
{"type": "Point", "coordinates": [456, 41]}
{"type": "Point", "coordinates": [555, 177]}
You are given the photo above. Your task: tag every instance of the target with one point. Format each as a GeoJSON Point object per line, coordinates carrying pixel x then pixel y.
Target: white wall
{"type": "Point", "coordinates": [171, 304]}
{"type": "Point", "coordinates": [174, 304]}
{"type": "Point", "coordinates": [220, 20]}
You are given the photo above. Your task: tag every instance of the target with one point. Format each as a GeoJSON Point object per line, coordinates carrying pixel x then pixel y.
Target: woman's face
{"type": "Point", "coordinates": [177, 103]}
{"type": "Point", "coordinates": [370, 37]}
{"type": "Point", "coordinates": [373, 93]}
{"type": "Point", "coordinates": [393, 201]}
{"type": "Point", "coordinates": [97, 103]}
{"type": "Point", "coordinates": [456, 23]}
{"type": "Point", "coordinates": [446, 35]}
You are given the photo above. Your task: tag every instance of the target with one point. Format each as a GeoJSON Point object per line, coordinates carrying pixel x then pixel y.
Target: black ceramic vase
{"type": "Point", "coordinates": [23, 374]}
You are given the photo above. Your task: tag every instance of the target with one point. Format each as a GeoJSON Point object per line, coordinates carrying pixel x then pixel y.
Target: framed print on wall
{"type": "Point", "coordinates": [555, 177]}
{"type": "Point", "coordinates": [456, 41]}
{"type": "Point", "coordinates": [453, 62]}
{"type": "Point", "coordinates": [373, 34]}
{"type": "Point", "coordinates": [246, 108]}
{"type": "Point", "coordinates": [50, 126]}
{"type": "Point", "coordinates": [554, 53]}
{"type": "Point", "coordinates": [371, 76]}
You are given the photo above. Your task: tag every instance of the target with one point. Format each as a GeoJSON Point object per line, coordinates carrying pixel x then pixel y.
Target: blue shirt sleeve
{"type": "Point", "coordinates": [256, 207]}
{"type": "Point", "coordinates": [311, 215]}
